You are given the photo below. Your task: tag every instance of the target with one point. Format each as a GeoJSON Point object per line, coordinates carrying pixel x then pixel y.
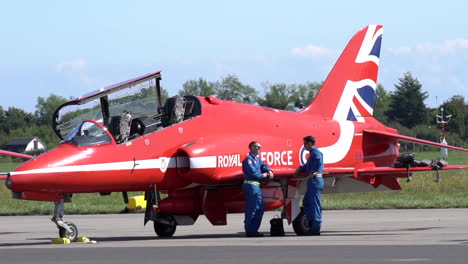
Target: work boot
{"type": "Point", "coordinates": [310, 233]}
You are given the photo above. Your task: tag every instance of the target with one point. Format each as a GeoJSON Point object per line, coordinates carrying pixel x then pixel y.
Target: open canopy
{"type": "Point", "coordinates": [138, 96]}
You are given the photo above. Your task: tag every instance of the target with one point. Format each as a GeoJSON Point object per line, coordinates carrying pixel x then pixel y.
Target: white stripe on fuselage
{"type": "Point", "coordinates": [331, 154]}
{"type": "Point", "coordinates": [111, 166]}
{"type": "Point", "coordinates": [203, 162]}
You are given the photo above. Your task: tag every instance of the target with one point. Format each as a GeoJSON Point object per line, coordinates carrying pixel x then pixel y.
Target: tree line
{"type": "Point", "coordinates": [403, 108]}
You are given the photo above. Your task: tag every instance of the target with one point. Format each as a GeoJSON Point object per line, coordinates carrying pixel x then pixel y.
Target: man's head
{"type": "Point", "coordinates": [309, 142]}
{"type": "Point", "coordinates": [255, 147]}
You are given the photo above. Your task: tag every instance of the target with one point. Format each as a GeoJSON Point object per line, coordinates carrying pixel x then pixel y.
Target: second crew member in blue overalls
{"type": "Point", "coordinates": [311, 201]}
{"type": "Point", "coordinates": [254, 170]}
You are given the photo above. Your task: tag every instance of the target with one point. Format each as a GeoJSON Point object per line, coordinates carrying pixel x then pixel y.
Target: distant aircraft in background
{"type": "Point", "coordinates": [123, 138]}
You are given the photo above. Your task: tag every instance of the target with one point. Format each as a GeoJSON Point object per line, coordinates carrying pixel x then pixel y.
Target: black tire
{"type": "Point", "coordinates": [63, 233]}
{"type": "Point", "coordinates": [301, 224]}
{"type": "Point", "coordinates": [165, 226]}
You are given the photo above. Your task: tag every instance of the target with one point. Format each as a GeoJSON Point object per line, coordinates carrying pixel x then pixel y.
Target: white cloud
{"type": "Point", "coordinates": [312, 51]}
{"type": "Point", "coordinates": [76, 70]}
{"type": "Point", "coordinates": [425, 48]}
{"type": "Point", "coordinates": [440, 67]}
{"type": "Point", "coordinates": [448, 47]}
{"type": "Point", "coordinates": [400, 50]}
{"type": "Point", "coordinates": [452, 46]}
{"type": "Point", "coordinates": [76, 64]}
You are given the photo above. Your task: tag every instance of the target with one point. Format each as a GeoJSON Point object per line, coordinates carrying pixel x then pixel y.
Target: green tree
{"type": "Point", "coordinates": [466, 122]}
{"type": "Point", "coordinates": [381, 103]}
{"type": "Point", "coordinates": [45, 108]}
{"type": "Point", "coordinates": [3, 139]}
{"type": "Point", "coordinates": [17, 118]}
{"type": "Point", "coordinates": [407, 102]}
{"type": "Point", "coordinates": [2, 119]}
{"type": "Point", "coordinates": [164, 94]}
{"type": "Point", "coordinates": [198, 88]}
{"type": "Point", "coordinates": [302, 94]}
{"type": "Point", "coordinates": [278, 96]}
{"type": "Point", "coordinates": [230, 88]}
{"type": "Point", "coordinates": [147, 94]}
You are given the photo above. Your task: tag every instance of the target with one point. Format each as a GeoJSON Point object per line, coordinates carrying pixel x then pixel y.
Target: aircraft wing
{"type": "Point", "coordinates": [15, 154]}
{"type": "Point", "coordinates": [412, 139]}
{"type": "Point", "coordinates": [368, 168]}
{"type": "Point", "coordinates": [386, 170]}
{"type": "Point", "coordinates": [3, 175]}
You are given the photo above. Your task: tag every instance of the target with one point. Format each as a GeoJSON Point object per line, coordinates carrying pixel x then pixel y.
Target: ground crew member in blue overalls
{"type": "Point", "coordinates": [311, 201]}
{"type": "Point", "coordinates": [254, 170]}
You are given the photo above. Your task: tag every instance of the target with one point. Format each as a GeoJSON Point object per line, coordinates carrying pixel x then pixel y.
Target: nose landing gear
{"type": "Point", "coordinates": [66, 229]}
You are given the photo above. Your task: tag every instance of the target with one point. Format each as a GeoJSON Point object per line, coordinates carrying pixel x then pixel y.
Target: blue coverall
{"type": "Point", "coordinates": [311, 202]}
{"type": "Point", "coordinates": [253, 168]}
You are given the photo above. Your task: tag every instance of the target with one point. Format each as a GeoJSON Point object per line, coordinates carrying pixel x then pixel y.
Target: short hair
{"type": "Point", "coordinates": [309, 139]}
{"type": "Point", "coordinates": [252, 143]}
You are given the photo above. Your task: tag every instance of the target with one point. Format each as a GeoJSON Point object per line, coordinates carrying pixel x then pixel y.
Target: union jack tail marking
{"type": "Point", "coordinates": [348, 93]}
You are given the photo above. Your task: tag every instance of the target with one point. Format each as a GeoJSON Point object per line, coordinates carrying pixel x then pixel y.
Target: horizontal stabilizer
{"type": "Point", "coordinates": [415, 140]}
{"type": "Point", "coordinates": [390, 170]}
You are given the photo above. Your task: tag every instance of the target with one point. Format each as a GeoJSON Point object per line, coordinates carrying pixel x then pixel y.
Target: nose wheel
{"type": "Point", "coordinates": [68, 230]}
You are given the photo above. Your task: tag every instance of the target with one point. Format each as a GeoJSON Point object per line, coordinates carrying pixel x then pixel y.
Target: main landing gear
{"type": "Point", "coordinates": [164, 224]}
{"type": "Point", "coordinates": [301, 224]}
{"type": "Point", "coordinates": [66, 229]}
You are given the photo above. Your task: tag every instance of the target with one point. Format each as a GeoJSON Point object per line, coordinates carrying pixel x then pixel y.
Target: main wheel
{"type": "Point", "coordinates": [165, 225]}
{"type": "Point", "coordinates": [73, 235]}
{"type": "Point", "coordinates": [301, 224]}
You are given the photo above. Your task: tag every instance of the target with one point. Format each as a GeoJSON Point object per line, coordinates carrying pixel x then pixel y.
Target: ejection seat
{"type": "Point", "coordinates": [114, 127]}
{"type": "Point", "coordinates": [173, 111]}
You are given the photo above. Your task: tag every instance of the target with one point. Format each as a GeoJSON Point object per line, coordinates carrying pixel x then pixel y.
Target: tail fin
{"type": "Point", "coordinates": [348, 93]}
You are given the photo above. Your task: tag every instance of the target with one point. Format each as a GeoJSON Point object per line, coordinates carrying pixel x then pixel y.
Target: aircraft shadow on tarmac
{"type": "Point", "coordinates": [460, 241]}
{"type": "Point", "coordinates": [138, 238]}
{"type": "Point", "coordinates": [242, 234]}
{"type": "Point", "coordinates": [10, 233]}
{"type": "Point", "coordinates": [44, 241]}
{"type": "Point", "coordinates": [400, 231]}
{"type": "Point", "coordinates": [337, 233]}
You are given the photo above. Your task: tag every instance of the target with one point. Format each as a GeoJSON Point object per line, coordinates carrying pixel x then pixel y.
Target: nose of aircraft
{"type": "Point", "coordinates": [28, 177]}
{"type": "Point", "coordinates": [8, 181]}
{"type": "Point", "coordinates": [37, 174]}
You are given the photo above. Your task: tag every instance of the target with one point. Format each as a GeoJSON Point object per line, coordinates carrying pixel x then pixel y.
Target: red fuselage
{"type": "Point", "coordinates": [206, 150]}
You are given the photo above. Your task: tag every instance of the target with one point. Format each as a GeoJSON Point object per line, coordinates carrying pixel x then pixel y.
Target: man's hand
{"type": "Point", "coordinates": [296, 173]}
{"type": "Point", "coordinates": [270, 175]}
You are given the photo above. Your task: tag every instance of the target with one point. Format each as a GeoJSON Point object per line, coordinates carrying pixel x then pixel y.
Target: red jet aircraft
{"type": "Point", "coordinates": [122, 138]}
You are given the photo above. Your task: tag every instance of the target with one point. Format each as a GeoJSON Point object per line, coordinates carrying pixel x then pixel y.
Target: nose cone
{"type": "Point", "coordinates": [39, 174]}
{"type": "Point", "coordinates": [8, 181]}
{"type": "Point", "coordinates": [27, 176]}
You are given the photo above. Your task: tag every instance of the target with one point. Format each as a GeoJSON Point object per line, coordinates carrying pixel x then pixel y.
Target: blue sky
{"type": "Point", "coordinates": [72, 47]}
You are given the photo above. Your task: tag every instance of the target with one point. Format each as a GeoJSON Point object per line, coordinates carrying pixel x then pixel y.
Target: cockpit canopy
{"type": "Point", "coordinates": [127, 110]}
{"type": "Point", "coordinates": [88, 133]}
{"type": "Point", "coordinates": [136, 96]}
